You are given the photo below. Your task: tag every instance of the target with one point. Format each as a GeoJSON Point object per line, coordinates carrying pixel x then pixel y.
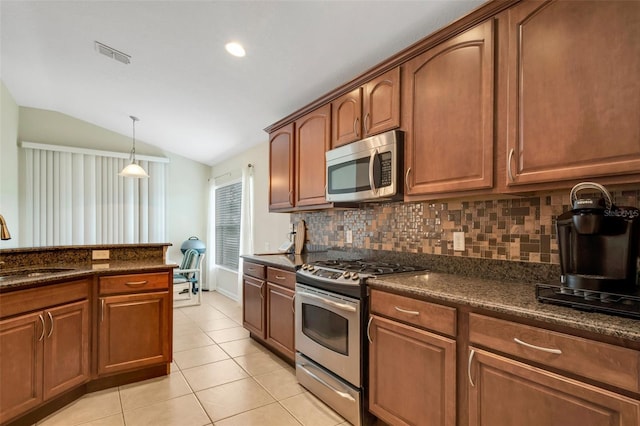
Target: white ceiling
{"type": "Point", "coordinates": [192, 97]}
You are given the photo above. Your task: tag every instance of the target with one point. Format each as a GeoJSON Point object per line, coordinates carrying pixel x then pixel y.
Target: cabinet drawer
{"type": "Point", "coordinates": [281, 277]}
{"type": "Point", "coordinates": [33, 299]}
{"type": "Point", "coordinates": [254, 270]}
{"type": "Point", "coordinates": [134, 283]}
{"type": "Point", "coordinates": [441, 319]}
{"type": "Point", "coordinates": [613, 365]}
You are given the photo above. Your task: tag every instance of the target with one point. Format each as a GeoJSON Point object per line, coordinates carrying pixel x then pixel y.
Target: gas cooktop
{"type": "Point", "coordinates": [367, 267]}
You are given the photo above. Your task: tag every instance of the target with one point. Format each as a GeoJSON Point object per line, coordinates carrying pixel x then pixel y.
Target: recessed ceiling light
{"type": "Point", "coordinates": [235, 49]}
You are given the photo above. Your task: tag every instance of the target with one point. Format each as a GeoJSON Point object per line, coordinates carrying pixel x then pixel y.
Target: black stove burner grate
{"type": "Point", "coordinates": [367, 266]}
{"type": "Point", "coordinates": [626, 305]}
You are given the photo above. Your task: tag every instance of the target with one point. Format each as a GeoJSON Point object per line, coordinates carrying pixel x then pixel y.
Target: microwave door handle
{"type": "Point", "coordinates": [341, 306]}
{"type": "Point", "coordinates": [372, 160]}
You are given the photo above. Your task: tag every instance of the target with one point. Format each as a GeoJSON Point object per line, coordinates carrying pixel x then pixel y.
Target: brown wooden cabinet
{"type": "Point", "coordinates": [572, 93]}
{"type": "Point", "coordinates": [281, 169]}
{"type": "Point", "coordinates": [504, 391]}
{"type": "Point", "coordinates": [312, 140]}
{"type": "Point", "coordinates": [267, 309]}
{"type": "Point", "coordinates": [367, 110]}
{"type": "Point", "coordinates": [448, 104]}
{"type": "Point", "coordinates": [134, 322]}
{"type": "Point", "coordinates": [412, 371]}
{"type": "Point", "coordinates": [45, 352]}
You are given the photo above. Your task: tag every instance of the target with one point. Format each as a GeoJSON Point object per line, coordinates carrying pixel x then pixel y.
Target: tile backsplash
{"type": "Point", "coordinates": [515, 229]}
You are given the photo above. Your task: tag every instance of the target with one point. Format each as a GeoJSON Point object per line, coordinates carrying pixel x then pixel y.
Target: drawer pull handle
{"type": "Point", "coordinates": [280, 277]}
{"type": "Point", "coordinates": [471, 354]}
{"type": "Point", "coordinates": [369, 330]}
{"type": "Point", "coordinates": [50, 319]}
{"type": "Point", "coordinates": [405, 311]}
{"type": "Point", "coordinates": [136, 283]}
{"type": "Point", "coordinates": [509, 159]}
{"type": "Point", "coordinates": [539, 348]}
{"type": "Point", "coordinates": [42, 321]}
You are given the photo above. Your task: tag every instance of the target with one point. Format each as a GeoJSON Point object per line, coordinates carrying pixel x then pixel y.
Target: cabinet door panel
{"type": "Point", "coordinates": [450, 121]}
{"type": "Point", "coordinates": [20, 364]}
{"type": "Point", "coordinates": [281, 177]}
{"type": "Point", "coordinates": [412, 375]}
{"type": "Point", "coordinates": [280, 319]}
{"type": "Point", "coordinates": [313, 139]}
{"type": "Point", "coordinates": [134, 331]}
{"type": "Point", "coordinates": [253, 314]}
{"type": "Point", "coordinates": [381, 110]}
{"type": "Point", "coordinates": [574, 91]}
{"type": "Point", "coordinates": [507, 393]}
{"type": "Point", "coordinates": [66, 349]}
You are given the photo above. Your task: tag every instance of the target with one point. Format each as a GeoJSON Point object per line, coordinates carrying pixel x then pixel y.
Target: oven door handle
{"type": "Point", "coordinates": [324, 382]}
{"type": "Point", "coordinates": [337, 305]}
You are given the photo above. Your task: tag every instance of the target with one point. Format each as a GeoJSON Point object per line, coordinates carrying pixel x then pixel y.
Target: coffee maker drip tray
{"type": "Point", "coordinates": [627, 305]}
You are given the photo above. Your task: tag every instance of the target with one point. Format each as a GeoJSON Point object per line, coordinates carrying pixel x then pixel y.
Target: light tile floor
{"type": "Point", "coordinates": [218, 376]}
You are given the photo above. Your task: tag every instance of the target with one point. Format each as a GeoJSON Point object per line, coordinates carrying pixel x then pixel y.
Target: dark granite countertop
{"type": "Point", "coordinates": [511, 298]}
{"type": "Point", "coordinates": [33, 276]}
{"type": "Point", "coordinates": [289, 262]}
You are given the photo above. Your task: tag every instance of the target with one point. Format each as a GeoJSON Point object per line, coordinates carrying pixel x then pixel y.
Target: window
{"type": "Point", "coordinates": [227, 220]}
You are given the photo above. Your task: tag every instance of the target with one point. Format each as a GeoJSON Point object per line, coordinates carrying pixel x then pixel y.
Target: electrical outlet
{"type": "Point", "coordinates": [349, 236]}
{"type": "Point", "coordinates": [100, 255]}
{"type": "Point", "coordinates": [458, 241]}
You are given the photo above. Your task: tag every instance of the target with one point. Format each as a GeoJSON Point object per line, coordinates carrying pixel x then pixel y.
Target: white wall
{"type": "Point", "coordinates": [9, 114]}
{"type": "Point", "coordinates": [187, 186]}
{"type": "Point", "coordinates": [269, 230]}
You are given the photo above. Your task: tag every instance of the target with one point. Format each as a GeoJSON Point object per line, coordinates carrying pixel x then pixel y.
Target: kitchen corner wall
{"type": "Point", "coordinates": [515, 229]}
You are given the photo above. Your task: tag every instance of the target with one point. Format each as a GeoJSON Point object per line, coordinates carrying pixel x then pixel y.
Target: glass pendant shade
{"type": "Point", "coordinates": [133, 170]}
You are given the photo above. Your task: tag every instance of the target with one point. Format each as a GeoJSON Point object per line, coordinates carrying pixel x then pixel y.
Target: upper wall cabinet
{"type": "Point", "coordinates": [448, 104]}
{"type": "Point", "coordinates": [573, 92]}
{"type": "Point", "coordinates": [281, 168]}
{"type": "Point", "coordinates": [367, 110]}
{"type": "Point", "coordinates": [312, 140]}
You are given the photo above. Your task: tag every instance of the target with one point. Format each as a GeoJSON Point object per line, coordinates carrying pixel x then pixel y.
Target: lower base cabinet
{"type": "Point", "coordinates": [280, 319]}
{"type": "Point", "coordinates": [504, 392]}
{"type": "Point", "coordinates": [412, 375]}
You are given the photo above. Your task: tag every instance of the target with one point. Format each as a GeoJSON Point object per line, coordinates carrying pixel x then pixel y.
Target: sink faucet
{"type": "Point", "coordinates": [4, 230]}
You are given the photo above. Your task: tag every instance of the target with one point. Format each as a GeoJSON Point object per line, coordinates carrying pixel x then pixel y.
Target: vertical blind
{"type": "Point", "coordinates": [227, 220]}
{"type": "Point", "coordinates": [74, 198]}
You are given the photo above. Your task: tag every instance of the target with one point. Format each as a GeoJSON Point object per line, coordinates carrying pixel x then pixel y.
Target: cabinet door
{"type": "Point", "coordinates": [506, 393]}
{"type": "Point", "coordinates": [346, 118]}
{"type": "Point", "coordinates": [66, 347]}
{"type": "Point", "coordinates": [313, 138]}
{"type": "Point", "coordinates": [134, 331]}
{"type": "Point", "coordinates": [280, 319]}
{"type": "Point", "coordinates": [449, 104]}
{"type": "Point", "coordinates": [253, 305]}
{"type": "Point", "coordinates": [21, 351]}
{"type": "Point", "coordinates": [281, 166]}
{"type": "Point", "coordinates": [573, 91]}
{"type": "Point", "coordinates": [381, 100]}
{"type": "Point", "coordinates": [412, 375]}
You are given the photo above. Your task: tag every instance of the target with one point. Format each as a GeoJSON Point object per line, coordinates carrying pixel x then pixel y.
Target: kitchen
{"type": "Point", "coordinates": [497, 227]}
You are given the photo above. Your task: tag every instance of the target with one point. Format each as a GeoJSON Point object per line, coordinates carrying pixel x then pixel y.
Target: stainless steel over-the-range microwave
{"type": "Point", "coordinates": [366, 170]}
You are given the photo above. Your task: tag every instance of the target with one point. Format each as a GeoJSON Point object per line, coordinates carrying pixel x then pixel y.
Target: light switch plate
{"type": "Point", "coordinates": [100, 254]}
{"type": "Point", "coordinates": [458, 241]}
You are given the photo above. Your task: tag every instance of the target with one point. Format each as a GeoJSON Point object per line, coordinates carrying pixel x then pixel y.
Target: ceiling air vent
{"type": "Point", "coordinates": [113, 53]}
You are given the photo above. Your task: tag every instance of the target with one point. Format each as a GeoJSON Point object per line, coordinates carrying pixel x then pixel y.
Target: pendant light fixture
{"type": "Point", "coordinates": [133, 170]}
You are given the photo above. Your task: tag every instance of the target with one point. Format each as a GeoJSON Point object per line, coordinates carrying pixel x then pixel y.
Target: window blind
{"type": "Point", "coordinates": [227, 220]}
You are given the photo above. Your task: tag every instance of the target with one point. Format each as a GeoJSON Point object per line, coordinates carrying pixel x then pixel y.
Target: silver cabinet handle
{"type": "Point", "coordinates": [290, 197]}
{"type": "Point", "coordinates": [261, 291]}
{"type": "Point", "coordinates": [293, 304]}
{"type": "Point", "coordinates": [136, 283]}
{"type": "Point", "coordinates": [366, 123]}
{"type": "Point", "coordinates": [509, 172]}
{"type": "Point", "coordinates": [101, 310]}
{"type": "Point", "coordinates": [356, 126]}
{"type": "Point", "coordinates": [404, 311]}
{"type": "Point", "coordinates": [369, 330]}
{"type": "Point", "coordinates": [340, 393]}
{"type": "Point", "coordinates": [538, 348]}
{"type": "Point", "coordinates": [342, 306]}
{"type": "Point", "coordinates": [471, 354]}
{"type": "Point", "coordinates": [280, 277]}
{"type": "Point", "coordinates": [42, 321]}
{"type": "Point", "coordinates": [406, 179]}
{"type": "Point", "coordinates": [50, 319]}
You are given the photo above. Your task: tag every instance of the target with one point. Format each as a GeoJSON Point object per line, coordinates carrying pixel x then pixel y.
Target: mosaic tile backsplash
{"type": "Point", "coordinates": [515, 229]}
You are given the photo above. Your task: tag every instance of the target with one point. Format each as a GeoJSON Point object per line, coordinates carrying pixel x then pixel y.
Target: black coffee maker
{"type": "Point", "coordinates": [599, 243]}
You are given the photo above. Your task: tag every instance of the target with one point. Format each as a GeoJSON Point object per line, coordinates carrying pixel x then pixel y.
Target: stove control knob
{"type": "Point", "coordinates": [355, 276]}
{"type": "Point", "coordinates": [305, 266]}
{"type": "Point", "coordinates": [311, 268]}
{"type": "Point", "coordinates": [346, 274]}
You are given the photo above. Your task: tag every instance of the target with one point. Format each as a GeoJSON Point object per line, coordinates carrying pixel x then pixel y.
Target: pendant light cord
{"type": "Point", "coordinates": [133, 149]}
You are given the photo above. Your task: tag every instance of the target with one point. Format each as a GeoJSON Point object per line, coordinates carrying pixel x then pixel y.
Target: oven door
{"type": "Point", "coordinates": [327, 330]}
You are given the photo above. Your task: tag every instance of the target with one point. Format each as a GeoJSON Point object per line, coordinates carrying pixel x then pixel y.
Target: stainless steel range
{"type": "Point", "coordinates": [331, 351]}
